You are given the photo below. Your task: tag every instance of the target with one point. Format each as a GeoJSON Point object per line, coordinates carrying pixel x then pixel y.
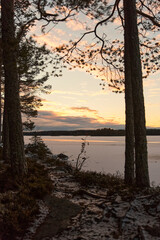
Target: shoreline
{"type": "Point", "coordinates": [113, 212]}
{"type": "Point", "coordinates": [96, 133]}
{"type": "Point", "coordinates": [72, 204]}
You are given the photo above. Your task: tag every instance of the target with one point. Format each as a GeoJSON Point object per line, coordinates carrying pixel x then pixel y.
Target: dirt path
{"type": "Point", "coordinates": [60, 213]}
{"type": "Point", "coordinates": [91, 214]}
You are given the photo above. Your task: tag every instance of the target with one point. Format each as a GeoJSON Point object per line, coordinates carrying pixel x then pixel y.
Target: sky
{"type": "Point", "coordinates": [77, 100]}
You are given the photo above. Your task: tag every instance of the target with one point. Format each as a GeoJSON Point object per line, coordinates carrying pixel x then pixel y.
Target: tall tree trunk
{"type": "Point", "coordinates": [5, 137]}
{"type": "Point", "coordinates": [129, 126]}
{"type": "Point", "coordinates": [0, 89]}
{"type": "Point", "coordinates": [141, 155]}
{"type": "Point", "coordinates": [12, 100]}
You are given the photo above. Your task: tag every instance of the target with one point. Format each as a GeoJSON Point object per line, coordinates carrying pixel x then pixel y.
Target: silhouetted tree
{"type": "Point", "coordinates": [26, 15]}
{"type": "Point", "coordinates": [12, 99]}
{"type": "Point", "coordinates": [32, 78]}
{"type": "Point", "coordinates": [113, 57]}
{"type": "Point", "coordinates": [0, 88]}
{"type": "Point", "coordinates": [134, 80]}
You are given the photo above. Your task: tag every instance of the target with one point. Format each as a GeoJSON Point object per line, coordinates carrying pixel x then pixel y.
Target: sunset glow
{"type": "Point", "coordinates": [77, 100]}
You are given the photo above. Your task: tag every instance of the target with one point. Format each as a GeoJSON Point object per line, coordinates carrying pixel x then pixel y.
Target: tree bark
{"type": "Point", "coordinates": [5, 137]}
{"type": "Point", "coordinates": [129, 126]}
{"type": "Point", "coordinates": [12, 100]}
{"type": "Point", "coordinates": [0, 89]}
{"type": "Point", "coordinates": [141, 155]}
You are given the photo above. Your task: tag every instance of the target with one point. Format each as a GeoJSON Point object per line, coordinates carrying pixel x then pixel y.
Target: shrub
{"type": "Point", "coordinates": [19, 201]}
{"type": "Point", "coordinates": [88, 178]}
{"type": "Point", "coordinates": [38, 148]}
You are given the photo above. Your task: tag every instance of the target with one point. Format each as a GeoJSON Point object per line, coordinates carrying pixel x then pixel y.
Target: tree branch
{"type": "Point", "coordinates": [119, 13]}
{"type": "Point", "coordinates": [100, 23]}
{"type": "Point", "coordinates": [44, 14]}
{"type": "Point", "coordinates": [23, 28]}
{"type": "Point", "coordinates": [144, 5]}
{"type": "Point", "coordinates": [151, 18]}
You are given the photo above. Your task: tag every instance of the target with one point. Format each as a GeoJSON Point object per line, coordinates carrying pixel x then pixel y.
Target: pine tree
{"type": "Point", "coordinates": [112, 57]}
{"type": "Point", "coordinates": [12, 99]}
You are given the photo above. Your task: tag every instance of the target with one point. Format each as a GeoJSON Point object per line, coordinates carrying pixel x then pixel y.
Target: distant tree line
{"type": "Point", "coordinates": [96, 132]}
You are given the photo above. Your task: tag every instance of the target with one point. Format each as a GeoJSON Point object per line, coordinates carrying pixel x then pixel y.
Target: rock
{"type": "Point", "coordinates": [61, 211]}
{"type": "Point", "coordinates": [62, 156]}
{"type": "Point", "coordinates": [158, 208]}
{"type": "Point", "coordinates": [2, 209]}
{"type": "Point", "coordinates": [101, 216]}
{"type": "Point", "coordinates": [118, 199]}
{"type": "Point", "coordinates": [80, 238]}
{"type": "Point", "coordinates": [121, 210]}
{"type": "Point", "coordinates": [93, 210]}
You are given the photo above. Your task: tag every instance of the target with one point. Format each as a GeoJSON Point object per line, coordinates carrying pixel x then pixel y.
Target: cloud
{"type": "Point", "coordinates": [51, 40]}
{"type": "Point", "coordinates": [154, 92]}
{"type": "Point", "coordinates": [83, 109]}
{"type": "Point", "coordinates": [91, 113]}
{"type": "Point", "coordinates": [48, 120]}
{"type": "Point", "coordinates": [60, 32]}
{"type": "Point", "coordinates": [75, 25]}
{"type": "Point", "coordinates": [82, 93]}
{"type": "Point", "coordinates": [46, 113]}
{"type": "Point", "coordinates": [67, 92]}
{"type": "Point", "coordinates": [117, 21]}
{"type": "Point", "coordinates": [149, 83]}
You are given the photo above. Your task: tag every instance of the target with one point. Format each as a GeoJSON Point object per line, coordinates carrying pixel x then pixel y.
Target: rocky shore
{"type": "Point", "coordinates": [75, 212]}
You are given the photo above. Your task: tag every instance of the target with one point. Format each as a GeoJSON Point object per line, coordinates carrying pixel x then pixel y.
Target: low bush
{"type": "Point", "coordinates": [38, 147]}
{"type": "Point", "coordinates": [19, 201]}
{"type": "Point", "coordinates": [88, 178]}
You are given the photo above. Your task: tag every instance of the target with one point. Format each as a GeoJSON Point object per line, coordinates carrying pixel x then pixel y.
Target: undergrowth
{"type": "Point", "coordinates": [89, 178]}
{"type": "Point", "coordinates": [18, 201]}
{"type": "Point", "coordinates": [38, 148]}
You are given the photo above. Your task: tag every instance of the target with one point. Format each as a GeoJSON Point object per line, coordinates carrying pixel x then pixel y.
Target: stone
{"type": "Point", "coordinates": [62, 156]}
{"type": "Point", "coordinates": [158, 208]}
{"type": "Point", "coordinates": [60, 213]}
{"type": "Point", "coordinates": [118, 199]}
{"type": "Point", "coordinates": [121, 210]}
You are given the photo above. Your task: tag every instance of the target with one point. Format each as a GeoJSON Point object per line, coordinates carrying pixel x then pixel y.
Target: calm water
{"type": "Point", "coordinates": [106, 154]}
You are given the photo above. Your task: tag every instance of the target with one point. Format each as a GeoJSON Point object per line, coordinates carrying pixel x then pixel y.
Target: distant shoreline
{"type": "Point", "coordinates": [98, 132]}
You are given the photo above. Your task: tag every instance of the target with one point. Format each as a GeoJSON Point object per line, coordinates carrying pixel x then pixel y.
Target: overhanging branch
{"type": "Point", "coordinates": [100, 23]}
{"type": "Point", "coordinates": [45, 15]}
{"type": "Point", "coordinates": [151, 18]}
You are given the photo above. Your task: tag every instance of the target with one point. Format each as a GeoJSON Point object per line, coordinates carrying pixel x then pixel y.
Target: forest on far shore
{"type": "Point", "coordinates": [96, 132]}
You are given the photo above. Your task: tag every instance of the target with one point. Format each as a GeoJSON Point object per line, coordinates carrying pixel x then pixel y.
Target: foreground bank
{"type": "Point", "coordinates": [81, 205]}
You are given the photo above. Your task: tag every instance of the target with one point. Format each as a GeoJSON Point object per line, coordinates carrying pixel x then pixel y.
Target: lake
{"type": "Point", "coordinates": [105, 154]}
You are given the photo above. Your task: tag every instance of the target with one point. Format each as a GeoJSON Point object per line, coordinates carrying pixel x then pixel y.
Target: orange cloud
{"type": "Point", "coordinates": [75, 25]}
{"type": "Point", "coordinates": [60, 32]}
{"type": "Point", "coordinates": [90, 113]}
{"type": "Point", "coordinates": [49, 120]}
{"type": "Point", "coordinates": [154, 92]}
{"type": "Point", "coordinates": [82, 109]}
{"type": "Point", "coordinates": [50, 40]}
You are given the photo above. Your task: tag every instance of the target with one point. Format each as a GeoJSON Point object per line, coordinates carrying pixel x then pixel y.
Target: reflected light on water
{"type": "Point", "coordinates": [79, 140]}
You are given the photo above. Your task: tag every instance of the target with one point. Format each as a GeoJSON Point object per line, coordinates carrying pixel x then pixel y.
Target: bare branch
{"type": "Point", "coordinates": [149, 9]}
{"type": "Point", "coordinates": [119, 13]}
{"type": "Point", "coordinates": [146, 46]}
{"type": "Point", "coordinates": [111, 15]}
{"type": "Point", "coordinates": [100, 23]}
{"type": "Point", "coordinates": [151, 18]}
{"type": "Point", "coordinates": [44, 14]}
